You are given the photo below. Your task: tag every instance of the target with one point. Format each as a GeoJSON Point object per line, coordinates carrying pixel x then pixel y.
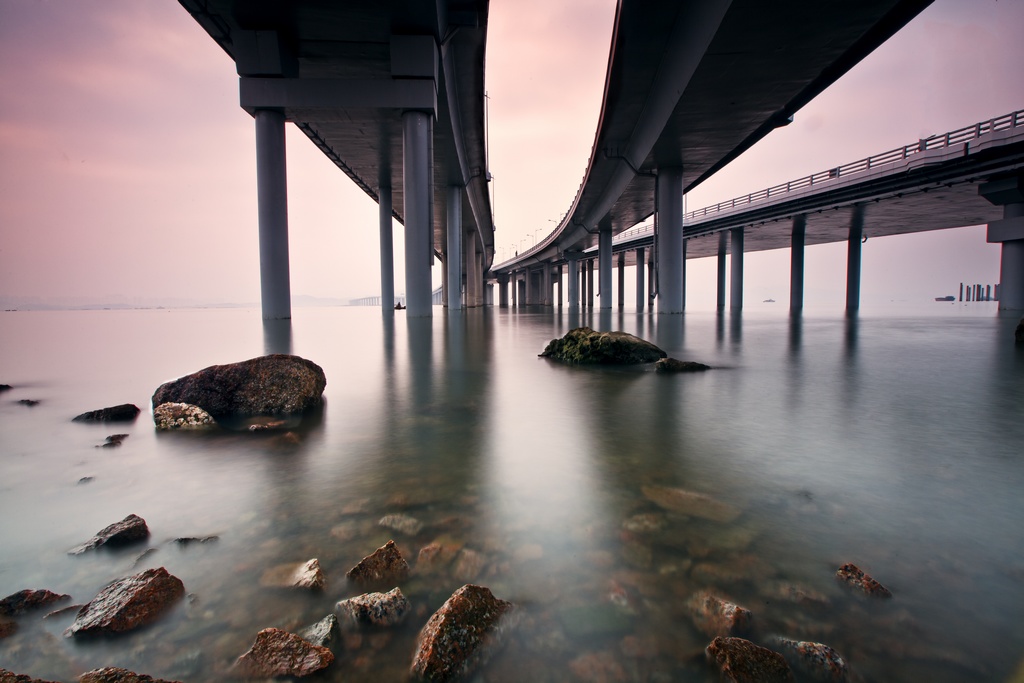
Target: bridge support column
{"type": "Point", "coordinates": [387, 251]}
{"type": "Point", "coordinates": [573, 278]}
{"type": "Point", "coordinates": [503, 291]}
{"type": "Point", "coordinates": [796, 266]}
{"type": "Point", "coordinates": [723, 242]}
{"type": "Point", "coordinates": [590, 283]}
{"type": "Point", "coordinates": [548, 284]}
{"type": "Point", "coordinates": [454, 259]}
{"type": "Point", "coordinates": [736, 270]}
{"type": "Point", "coordinates": [622, 279]}
{"type": "Point", "coordinates": [652, 283]}
{"type": "Point", "coordinates": [604, 265]}
{"type": "Point", "coordinates": [417, 134]}
{"type": "Point", "coordinates": [515, 288]}
{"type": "Point", "coordinates": [670, 254]}
{"type": "Point", "coordinates": [640, 293]}
{"type": "Point", "coordinates": [1008, 193]}
{"type": "Point", "coordinates": [474, 271]}
{"type": "Point", "coordinates": [853, 259]}
{"type": "Point", "coordinates": [558, 285]}
{"type": "Point", "coordinates": [272, 203]}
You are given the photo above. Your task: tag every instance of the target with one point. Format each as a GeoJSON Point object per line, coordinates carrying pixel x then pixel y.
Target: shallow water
{"type": "Point", "coordinates": [892, 442]}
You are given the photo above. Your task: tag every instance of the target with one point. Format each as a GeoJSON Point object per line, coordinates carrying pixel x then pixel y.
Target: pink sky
{"type": "Point", "coordinates": [127, 168]}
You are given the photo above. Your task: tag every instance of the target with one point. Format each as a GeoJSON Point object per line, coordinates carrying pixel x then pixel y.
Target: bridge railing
{"type": "Point", "coordinates": [955, 137]}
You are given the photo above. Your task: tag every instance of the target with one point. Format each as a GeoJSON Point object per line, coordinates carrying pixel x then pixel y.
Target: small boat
{"type": "Point", "coordinates": [945, 298]}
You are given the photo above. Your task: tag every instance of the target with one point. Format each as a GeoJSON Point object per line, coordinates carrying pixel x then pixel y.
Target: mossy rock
{"type": "Point", "coordinates": [584, 346]}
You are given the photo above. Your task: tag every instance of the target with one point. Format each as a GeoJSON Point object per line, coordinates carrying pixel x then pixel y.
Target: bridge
{"type": "Point", "coordinates": [393, 94]}
{"type": "Point", "coordinates": [969, 176]}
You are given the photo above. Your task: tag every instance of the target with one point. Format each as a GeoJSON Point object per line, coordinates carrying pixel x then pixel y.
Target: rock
{"type": "Point", "coordinates": [129, 530]}
{"type": "Point", "coordinates": [715, 616]}
{"type": "Point", "coordinates": [795, 593]}
{"type": "Point", "coordinates": [169, 416]}
{"type": "Point", "coordinates": [5, 387]}
{"type": "Point", "coordinates": [384, 564]}
{"type": "Point", "coordinates": [853, 576]}
{"type": "Point", "coordinates": [128, 603]}
{"type": "Point", "coordinates": [1018, 334]}
{"type": "Point", "coordinates": [690, 503]}
{"type": "Point", "coordinates": [814, 661]}
{"type": "Point", "coordinates": [323, 633]}
{"type": "Point", "coordinates": [85, 480]}
{"type": "Point", "coordinates": [584, 346]}
{"type": "Point", "coordinates": [598, 667]}
{"type": "Point", "coordinates": [113, 441]}
{"type": "Point", "coordinates": [404, 524]}
{"type": "Point", "coordinates": [673, 365]}
{"type": "Point", "coordinates": [10, 677]}
{"type": "Point", "coordinates": [436, 556]}
{"type": "Point", "coordinates": [279, 653]}
{"type": "Point", "coordinates": [30, 402]}
{"type": "Point", "coordinates": [126, 412]}
{"type": "Point", "coordinates": [468, 565]}
{"type": "Point", "coordinates": [462, 635]}
{"type": "Point", "coordinates": [373, 609]}
{"type": "Point", "coordinates": [113, 674]}
{"type": "Point", "coordinates": [18, 603]}
{"type": "Point", "coordinates": [740, 661]}
{"type": "Point", "coordinates": [645, 523]}
{"type": "Point", "coordinates": [268, 385]}
{"type": "Point", "coordinates": [586, 622]}
{"type": "Point", "coordinates": [8, 627]}
{"type": "Point", "coordinates": [186, 541]}
{"type": "Point", "coordinates": [295, 575]}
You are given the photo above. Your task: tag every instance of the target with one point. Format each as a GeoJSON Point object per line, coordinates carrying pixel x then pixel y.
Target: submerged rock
{"type": "Point", "coordinates": [1018, 334]}
{"type": "Point", "coordinates": [30, 402]}
{"type": "Point", "coordinates": [5, 387]}
{"type": "Point", "coordinates": [18, 603]}
{"type": "Point", "coordinates": [403, 524]}
{"type": "Point", "coordinates": [280, 653]}
{"type": "Point", "coordinates": [113, 674]}
{"type": "Point", "coordinates": [128, 603]}
{"type": "Point", "coordinates": [323, 633]}
{"type": "Point", "coordinates": [584, 346]}
{"type": "Point", "coordinates": [383, 564]}
{"type": "Point", "coordinates": [113, 441]}
{"type": "Point", "coordinates": [813, 661]}
{"type": "Point", "coordinates": [126, 412]}
{"type": "Point", "coordinates": [673, 365]}
{"type": "Point", "coordinates": [129, 530]}
{"type": "Point", "coordinates": [267, 385]}
{"type": "Point", "coordinates": [8, 627]}
{"type": "Point", "coordinates": [169, 416]}
{"type": "Point", "coordinates": [690, 503]}
{"type": "Point", "coordinates": [740, 661]}
{"type": "Point", "coordinates": [295, 575]}
{"type": "Point", "coordinates": [462, 635]}
{"type": "Point", "coordinates": [715, 616]}
{"type": "Point", "coordinates": [373, 609]}
{"type": "Point", "coordinates": [854, 576]}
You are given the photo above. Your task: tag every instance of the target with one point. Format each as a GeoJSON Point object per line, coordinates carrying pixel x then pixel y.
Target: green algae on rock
{"type": "Point", "coordinates": [584, 346]}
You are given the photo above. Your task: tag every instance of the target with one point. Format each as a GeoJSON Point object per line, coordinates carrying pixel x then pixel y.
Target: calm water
{"type": "Point", "coordinates": [894, 442]}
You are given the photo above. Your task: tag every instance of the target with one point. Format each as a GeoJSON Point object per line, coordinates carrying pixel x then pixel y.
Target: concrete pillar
{"type": "Point", "coordinates": [670, 239]}
{"type": "Point", "coordinates": [640, 293]}
{"type": "Point", "coordinates": [417, 131]}
{"type": "Point", "coordinates": [796, 265]}
{"type": "Point", "coordinates": [853, 259]}
{"type": "Point", "coordinates": [1008, 193]}
{"type": "Point", "coordinates": [558, 281]}
{"type": "Point", "coordinates": [723, 241]}
{"type": "Point", "coordinates": [651, 280]}
{"type": "Point", "coordinates": [515, 289]}
{"type": "Point", "coordinates": [272, 205]}
{"type": "Point", "coordinates": [387, 251]}
{"type": "Point", "coordinates": [531, 296]}
{"type": "Point", "coordinates": [503, 291]}
{"type": "Point", "coordinates": [454, 248]}
{"type": "Point", "coordinates": [474, 271]}
{"type": "Point", "coordinates": [736, 270]}
{"type": "Point", "coordinates": [574, 283]}
{"type": "Point", "coordinates": [546, 284]}
{"type": "Point", "coordinates": [604, 265]}
{"type": "Point", "coordinates": [590, 283]}
{"type": "Point", "coordinates": [622, 279]}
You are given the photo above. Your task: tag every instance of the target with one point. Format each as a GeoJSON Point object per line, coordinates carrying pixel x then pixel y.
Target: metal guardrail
{"type": "Point", "coordinates": [956, 137]}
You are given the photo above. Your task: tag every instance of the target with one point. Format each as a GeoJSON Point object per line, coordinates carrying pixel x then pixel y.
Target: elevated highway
{"type": "Point", "coordinates": [689, 87]}
{"type": "Point", "coordinates": [393, 94]}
